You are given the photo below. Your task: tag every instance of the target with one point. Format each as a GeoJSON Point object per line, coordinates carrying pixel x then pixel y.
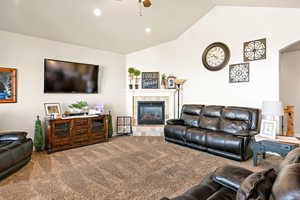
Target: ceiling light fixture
{"type": "Point", "coordinates": [97, 12]}
{"type": "Point", "coordinates": [145, 3]}
{"type": "Point", "coordinates": [148, 30]}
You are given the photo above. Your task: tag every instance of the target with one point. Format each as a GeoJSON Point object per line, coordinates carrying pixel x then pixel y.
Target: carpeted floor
{"type": "Point", "coordinates": [126, 168]}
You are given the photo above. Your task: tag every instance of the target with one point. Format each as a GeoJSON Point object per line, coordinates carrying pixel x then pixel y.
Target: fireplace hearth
{"type": "Point", "coordinates": [151, 112]}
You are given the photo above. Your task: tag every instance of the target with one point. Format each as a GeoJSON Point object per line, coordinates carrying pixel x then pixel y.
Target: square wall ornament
{"type": "Point", "coordinates": [239, 73]}
{"type": "Point", "coordinates": [255, 50]}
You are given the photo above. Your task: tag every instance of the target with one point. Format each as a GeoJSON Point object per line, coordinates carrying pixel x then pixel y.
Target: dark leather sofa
{"type": "Point", "coordinates": [224, 131]}
{"type": "Point", "coordinates": [235, 183]}
{"type": "Point", "coordinates": [15, 152]}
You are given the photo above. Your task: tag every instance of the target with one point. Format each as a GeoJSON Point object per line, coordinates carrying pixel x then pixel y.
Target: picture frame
{"type": "Point", "coordinates": [171, 82]}
{"type": "Point", "coordinates": [8, 85]}
{"type": "Point", "coordinates": [239, 73]}
{"type": "Point", "coordinates": [52, 109]}
{"type": "Point", "coordinates": [150, 80]}
{"type": "Point", "coordinates": [268, 129]}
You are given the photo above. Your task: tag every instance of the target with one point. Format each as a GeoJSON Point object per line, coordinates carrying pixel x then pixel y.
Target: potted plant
{"type": "Point", "coordinates": [79, 107]}
{"type": "Point", "coordinates": [164, 80]}
{"type": "Point", "coordinates": [136, 74]}
{"type": "Point", "coordinates": [131, 75]}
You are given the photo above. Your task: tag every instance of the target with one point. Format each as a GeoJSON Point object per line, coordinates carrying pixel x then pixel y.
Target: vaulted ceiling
{"type": "Point", "coordinates": [119, 28]}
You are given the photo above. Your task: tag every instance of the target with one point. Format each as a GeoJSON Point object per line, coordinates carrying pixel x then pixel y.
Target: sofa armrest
{"type": "Point", "coordinates": [245, 133]}
{"type": "Point", "coordinates": [175, 122]}
{"type": "Point", "coordinates": [12, 135]}
{"type": "Point", "coordinates": [231, 176]}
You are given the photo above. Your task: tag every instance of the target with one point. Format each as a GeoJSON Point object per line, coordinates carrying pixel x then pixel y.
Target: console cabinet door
{"type": "Point", "coordinates": [98, 128]}
{"type": "Point", "coordinates": [61, 133]}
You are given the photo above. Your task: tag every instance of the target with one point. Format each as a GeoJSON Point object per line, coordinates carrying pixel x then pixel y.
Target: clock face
{"type": "Point", "coordinates": [255, 50]}
{"type": "Point", "coordinates": [216, 56]}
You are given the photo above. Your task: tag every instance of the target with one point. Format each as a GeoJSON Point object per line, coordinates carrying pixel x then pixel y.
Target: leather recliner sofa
{"type": "Point", "coordinates": [236, 183]}
{"type": "Point", "coordinates": [224, 131]}
{"type": "Point", "coordinates": [15, 152]}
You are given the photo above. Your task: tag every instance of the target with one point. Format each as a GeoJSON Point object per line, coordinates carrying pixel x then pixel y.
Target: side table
{"type": "Point", "coordinates": [264, 146]}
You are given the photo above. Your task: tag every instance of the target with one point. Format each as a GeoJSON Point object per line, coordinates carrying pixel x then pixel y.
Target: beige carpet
{"type": "Point", "coordinates": [126, 168]}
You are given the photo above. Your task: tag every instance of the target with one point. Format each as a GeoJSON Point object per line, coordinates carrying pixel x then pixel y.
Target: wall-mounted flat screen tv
{"type": "Point", "coordinates": [70, 77]}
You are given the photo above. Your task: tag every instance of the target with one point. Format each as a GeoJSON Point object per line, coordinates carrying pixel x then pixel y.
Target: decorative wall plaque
{"type": "Point", "coordinates": [8, 85]}
{"type": "Point", "coordinates": [150, 80]}
{"type": "Point", "coordinates": [255, 50]}
{"type": "Point", "coordinates": [239, 73]}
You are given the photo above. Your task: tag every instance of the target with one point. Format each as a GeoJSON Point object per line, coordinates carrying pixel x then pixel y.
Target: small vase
{"type": "Point", "coordinates": [136, 86]}
{"type": "Point", "coordinates": [130, 86]}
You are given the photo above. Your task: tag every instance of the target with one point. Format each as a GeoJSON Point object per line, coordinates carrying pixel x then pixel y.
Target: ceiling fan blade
{"type": "Point", "coordinates": [147, 3]}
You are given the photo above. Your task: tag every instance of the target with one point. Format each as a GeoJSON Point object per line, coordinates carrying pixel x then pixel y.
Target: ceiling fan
{"type": "Point", "coordinates": [145, 3]}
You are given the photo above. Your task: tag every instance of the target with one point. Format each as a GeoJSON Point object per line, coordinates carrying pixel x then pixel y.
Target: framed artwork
{"type": "Point", "coordinates": [8, 85]}
{"type": "Point", "coordinates": [239, 73]}
{"type": "Point", "coordinates": [255, 50]}
{"type": "Point", "coordinates": [268, 129]}
{"type": "Point", "coordinates": [52, 109]}
{"type": "Point", "coordinates": [171, 82]}
{"type": "Point", "coordinates": [150, 80]}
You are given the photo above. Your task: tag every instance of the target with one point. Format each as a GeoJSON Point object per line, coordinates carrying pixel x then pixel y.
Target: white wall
{"type": "Point", "coordinates": [290, 83]}
{"type": "Point", "coordinates": [27, 55]}
{"type": "Point", "coordinates": [233, 26]}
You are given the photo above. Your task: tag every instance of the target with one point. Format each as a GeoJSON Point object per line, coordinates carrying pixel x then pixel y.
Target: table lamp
{"type": "Point", "coordinates": [273, 110]}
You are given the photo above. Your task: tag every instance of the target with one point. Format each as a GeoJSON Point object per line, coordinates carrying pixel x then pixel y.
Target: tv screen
{"type": "Point", "coordinates": [70, 77]}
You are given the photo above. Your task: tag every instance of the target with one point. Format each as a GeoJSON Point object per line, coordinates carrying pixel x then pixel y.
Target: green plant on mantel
{"type": "Point", "coordinates": [131, 71]}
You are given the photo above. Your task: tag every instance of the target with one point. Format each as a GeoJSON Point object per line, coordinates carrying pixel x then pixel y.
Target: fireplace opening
{"type": "Point", "coordinates": [151, 112]}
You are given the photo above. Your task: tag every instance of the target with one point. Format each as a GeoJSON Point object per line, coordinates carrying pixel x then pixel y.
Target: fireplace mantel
{"type": "Point", "coordinates": [157, 92]}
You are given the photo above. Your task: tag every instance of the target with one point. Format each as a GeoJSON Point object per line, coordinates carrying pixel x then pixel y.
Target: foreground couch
{"type": "Point", "coordinates": [235, 183]}
{"type": "Point", "coordinates": [224, 131]}
{"type": "Point", "coordinates": [15, 152]}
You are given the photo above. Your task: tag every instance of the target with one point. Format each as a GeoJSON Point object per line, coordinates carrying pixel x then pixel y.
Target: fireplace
{"type": "Point", "coordinates": [151, 112]}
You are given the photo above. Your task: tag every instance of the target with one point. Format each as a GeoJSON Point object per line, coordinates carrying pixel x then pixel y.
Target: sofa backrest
{"type": "Point", "coordinates": [210, 117]}
{"type": "Point", "coordinates": [214, 117]}
{"type": "Point", "coordinates": [190, 114]}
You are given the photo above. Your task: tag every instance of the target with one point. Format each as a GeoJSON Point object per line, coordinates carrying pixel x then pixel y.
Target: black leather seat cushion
{"type": "Point", "coordinates": [175, 132]}
{"type": "Point", "coordinates": [233, 126]}
{"type": "Point", "coordinates": [224, 142]}
{"type": "Point", "coordinates": [196, 136]}
{"type": "Point", "coordinates": [190, 120]}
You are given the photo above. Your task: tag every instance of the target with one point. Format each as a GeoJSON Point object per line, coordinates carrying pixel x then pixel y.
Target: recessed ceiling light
{"type": "Point", "coordinates": [97, 12]}
{"type": "Point", "coordinates": [148, 30]}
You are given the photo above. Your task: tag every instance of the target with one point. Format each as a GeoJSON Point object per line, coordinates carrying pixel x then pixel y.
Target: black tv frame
{"type": "Point", "coordinates": [98, 69]}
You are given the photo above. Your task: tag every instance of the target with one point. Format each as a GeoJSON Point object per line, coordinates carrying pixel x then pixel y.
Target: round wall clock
{"type": "Point", "coordinates": [216, 56]}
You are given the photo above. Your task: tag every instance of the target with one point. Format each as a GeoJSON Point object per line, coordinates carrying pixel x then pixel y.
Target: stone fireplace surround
{"type": "Point", "coordinates": [166, 95]}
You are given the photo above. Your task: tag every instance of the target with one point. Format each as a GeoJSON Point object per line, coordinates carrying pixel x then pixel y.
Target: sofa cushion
{"type": "Point", "coordinates": [212, 111]}
{"type": "Point", "coordinates": [233, 126]}
{"type": "Point", "coordinates": [196, 136]}
{"type": "Point", "coordinates": [175, 132]}
{"type": "Point", "coordinates": [254, 113]}
{"type": "Point", "coordinates": [6, 159]}
{"type": "Point", "coordinates": [236, 114]}
{"type": "Point", "coordinates": [209, 123]}
{"type": "Point", "coordinates": [224, 142]}
{"type": "Point", "coordinates": [257, 186]}
{"type": "Point", "coordinates": [190, 120]}
{"type": "Point", "coordinates": [192, 109]}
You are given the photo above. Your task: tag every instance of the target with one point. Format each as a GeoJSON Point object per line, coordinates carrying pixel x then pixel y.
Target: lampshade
{"type": "Point", "coordinates": [179, 81]}
{"type": "Point", "coordinates": [272, 108]}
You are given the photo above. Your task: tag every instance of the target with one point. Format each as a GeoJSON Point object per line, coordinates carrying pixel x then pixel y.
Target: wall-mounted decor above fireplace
{"type": "Point", "coordinates": [8, 85]}
{"type": "Point", "coordinates": [150, 80]}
